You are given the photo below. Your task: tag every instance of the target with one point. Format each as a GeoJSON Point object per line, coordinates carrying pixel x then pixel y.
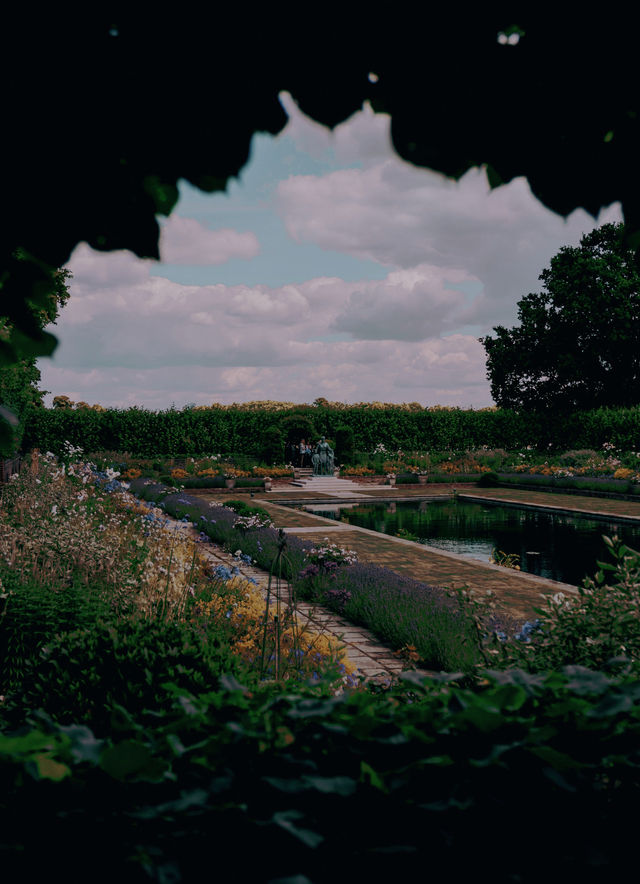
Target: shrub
{"type": "Point", "coordinates": [35, 612]}
{"type": "Point", "coordinates": [488, 480]}
{"type": "Point", "coordinates": [242, 508]}
{"type": "Point", "coordinates": [399, 609]}
{"type": "Point", "coordinates": [82, 676]}
{"type": "Point", "coordinates": [599, 624]}
{"type": "Point", "coordinates": [344, 443]}
{"type": "Point", "coordinates": [423, 776]}
{"type": "Point", "coordinates": [272, 445]}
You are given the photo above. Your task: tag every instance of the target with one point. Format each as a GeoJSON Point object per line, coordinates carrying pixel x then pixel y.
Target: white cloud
{"type": "Point", "coordinates": [401, 216]}
{"type": "Point", "coordinates": [458, 259]}
{"type": "Point", "coordinates": [409, 305]}
{"type": "Point", "coordinates": [147, 337]}
{"type": "Point", "coordinates": [186, 241]}
{"type": "Point", "coordinates": [364, 138]}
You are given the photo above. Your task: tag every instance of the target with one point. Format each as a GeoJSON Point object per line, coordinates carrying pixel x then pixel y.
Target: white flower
{"type": "Point", "coordinates": [54, 510]}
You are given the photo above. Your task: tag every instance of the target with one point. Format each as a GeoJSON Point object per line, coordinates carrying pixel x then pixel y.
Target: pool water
{"type": "Point", "coordinates": [555, 546]}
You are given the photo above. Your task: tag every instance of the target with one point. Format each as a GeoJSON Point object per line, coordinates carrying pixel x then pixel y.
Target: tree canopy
{"type": "Point", "coordinates": [104, 113]}
{"type": "Point", "coordinates": [578, 342]}
{"type": "Point", "coordinates": [19, 381]}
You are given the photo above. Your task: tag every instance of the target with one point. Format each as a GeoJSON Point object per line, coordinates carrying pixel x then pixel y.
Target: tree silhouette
{"type": "Point", "coordinates": [578, 342]}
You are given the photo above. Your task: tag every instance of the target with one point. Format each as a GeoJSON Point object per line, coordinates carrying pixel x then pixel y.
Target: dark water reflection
{"type": "Point", "coordinates": [556, 546]}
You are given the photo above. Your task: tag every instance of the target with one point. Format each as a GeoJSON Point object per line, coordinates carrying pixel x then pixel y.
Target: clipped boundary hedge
{"type": "Point", "coordinates": [215, 430]}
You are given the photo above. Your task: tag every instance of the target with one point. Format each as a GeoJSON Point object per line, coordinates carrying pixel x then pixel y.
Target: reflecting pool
{"type": "Point", "coordinates": [556, 546]}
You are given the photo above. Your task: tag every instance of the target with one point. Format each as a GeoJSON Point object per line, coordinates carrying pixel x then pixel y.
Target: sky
{"type": "Point", "coordinates": [330, 268]}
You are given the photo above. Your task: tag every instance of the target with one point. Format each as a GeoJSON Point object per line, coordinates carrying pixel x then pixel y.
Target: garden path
{"type": "Point", "coordinates": [556, 501]}
{"type": "Point", "coordinates": [373, 660]}
{"type": "Point", "coordinates": [516, 592]}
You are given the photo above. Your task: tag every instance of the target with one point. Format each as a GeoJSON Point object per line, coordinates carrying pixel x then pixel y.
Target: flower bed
{"type": "Point", "coordinates": [402, 611]}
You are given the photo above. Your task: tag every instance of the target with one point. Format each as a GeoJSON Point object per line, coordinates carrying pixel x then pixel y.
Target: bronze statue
{"type": "Point", "coordinates": [323, 459]}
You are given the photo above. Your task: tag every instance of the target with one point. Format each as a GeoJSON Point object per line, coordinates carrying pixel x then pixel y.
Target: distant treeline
{"type": "Point", "coordinates": [201, 431]}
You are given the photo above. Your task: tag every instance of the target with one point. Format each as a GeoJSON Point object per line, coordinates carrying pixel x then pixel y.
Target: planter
{"type": "Point", "coordinates": [267, 484]}
{"type": "Point", "coordinates": [422, 480]}
{"type": "Point", "coordinates": [230, 483]}
{"type": "Point", "coordinates": [392, 480]}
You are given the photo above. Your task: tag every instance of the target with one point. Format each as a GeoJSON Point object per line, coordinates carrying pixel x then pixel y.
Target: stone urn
{"type": "Point", "coordinates": [267, 484]}
{"type": "Point", "coordinates": [392, 480]}
{"type": "Point", "coordinates": [230, 482]}
{"type": "Point", "coordinates": [422, 480]}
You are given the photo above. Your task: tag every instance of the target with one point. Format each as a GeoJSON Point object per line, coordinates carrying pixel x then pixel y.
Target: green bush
{"type": "Point", "coordinates": [194, 432]}
{"type": "Point", "coordinates": [344, 439]}
{"type": "Point", "coordinates": [272, 446]}
{"type": "Point", "coordinates": [35, 612]}
{"type": "Point", "coordinates": [244, 509]}
{"type": "Point", "coordinates": [583, 483]}
{"type": "Point", "coordinates": [488, 480]}
{"type": "Point", "coordinates": [82, 676]}
{"type": "Point", "coordinates": [601, 623]}
{"type": "Point", "coordinates": [537, 776]}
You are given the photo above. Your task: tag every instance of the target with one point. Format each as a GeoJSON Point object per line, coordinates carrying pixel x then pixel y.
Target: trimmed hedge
{"type": "Point", "coordinates": [584, 483]}
{"type": "Point", "coordinates": [215, 430]}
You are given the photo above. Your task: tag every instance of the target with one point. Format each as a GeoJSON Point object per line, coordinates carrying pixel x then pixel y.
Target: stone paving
{"type": "Point", "coordinates": [516, 592]}
{"type": "Point", "coordinates": [372, 660]}
{"type": "Point", "coordinates": [556, 501]}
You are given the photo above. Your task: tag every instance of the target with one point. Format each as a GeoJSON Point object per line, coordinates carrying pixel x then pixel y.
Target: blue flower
{"type": "Point", "coordinates": [525, 633]}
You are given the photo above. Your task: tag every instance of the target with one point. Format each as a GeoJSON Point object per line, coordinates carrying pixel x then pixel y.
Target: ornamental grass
{"type": "Point", "coordinates": [78, 550]}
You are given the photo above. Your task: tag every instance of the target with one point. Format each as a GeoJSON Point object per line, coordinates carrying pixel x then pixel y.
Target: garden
{"type": "Point", "coordinates": [139, 737]}
{"type": "Point", "coordinates": [155, 710]}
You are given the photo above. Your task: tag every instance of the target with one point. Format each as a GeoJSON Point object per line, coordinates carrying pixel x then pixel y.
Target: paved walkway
{"type": "Point", "coordinates": [597, 507]}
{"type": "Point", "coordinates": [372, 660]}
{"type": "Point", "coordinates": [516, 592]}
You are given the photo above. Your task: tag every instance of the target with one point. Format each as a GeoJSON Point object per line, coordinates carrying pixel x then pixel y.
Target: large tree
{"type": "Point", "coordinates": [578, 342]}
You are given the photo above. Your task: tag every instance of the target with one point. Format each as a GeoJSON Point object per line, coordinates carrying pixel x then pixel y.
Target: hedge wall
{"type": "Point", "coordinates": [217, 430]}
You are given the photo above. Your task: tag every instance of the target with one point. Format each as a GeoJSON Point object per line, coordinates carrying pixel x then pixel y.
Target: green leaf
{"type": "Point", "coordinates": [557, 760]}
{"type": "Point", "coordinates": [50, 769]}
{"type": "Point", "coordinates": [369, 775]}
{"type": "Point", "coordinates": [612, 704]}
{"type": "Point", "coordinates": [286, 820]}
{"type": "Point", "coordinates": [84, 745]}
{"type": "Point", "coordinates": [131, 760]}
{"type": "Point", "coordinates": [333, 785]}
{"type": "Point", "coordinates": [585, 681]}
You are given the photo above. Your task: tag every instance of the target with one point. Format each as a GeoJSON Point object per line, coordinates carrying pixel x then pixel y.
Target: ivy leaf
{"type": "Point", "coordinates": [286, 820]}
{"type": "Point", "coordinates": [131, 760]}
{"type": "Point", "coordinates": [50, 769]}
{"type": "Point", "coordinates": [611, 704]}
{"type": "Point", "coordinates": [83, 743]}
